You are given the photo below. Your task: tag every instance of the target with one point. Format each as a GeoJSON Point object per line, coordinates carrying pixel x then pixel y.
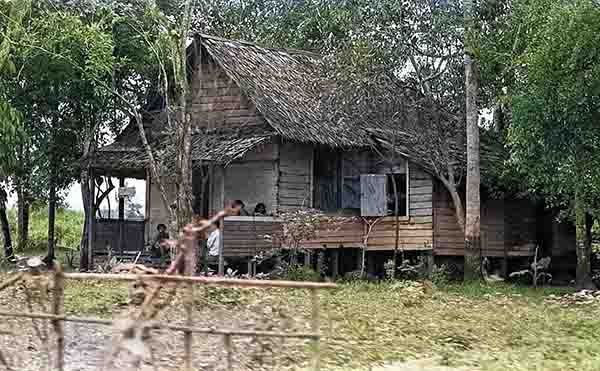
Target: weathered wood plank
{"type": "Point", "coordinates": [420, 183]}
{"type": "Point", "coordinates": [420, 190]}
{"type": "Point", "coordinates": [421, 212]}
{"type": "Point", "coordinates": [421, 205]}
{"type": "Point", "coordinates": [427, 197]}
{"type": "Point", "coordinates": [373, 201]}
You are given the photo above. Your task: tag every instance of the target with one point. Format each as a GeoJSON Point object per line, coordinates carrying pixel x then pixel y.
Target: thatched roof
{"type": "Point", "coordinates": [287, 87]}
{"type": "Point", "coordinates": [127, 156]}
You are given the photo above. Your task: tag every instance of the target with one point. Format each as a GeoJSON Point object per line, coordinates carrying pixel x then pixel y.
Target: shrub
{"type": "Point", "coordinates": [68, 228]}
{"type": "Point", "coordinates": [441, 275]}
{"type": "Point", "coordinates": [294, 272]}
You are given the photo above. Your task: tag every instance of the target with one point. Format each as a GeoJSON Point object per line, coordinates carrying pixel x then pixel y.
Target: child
{"type": "Point", "coordinates": [260, 209]}
{"type": "Point", "coordinates": [157, 248]}
{"type": "Point", "coordinates": [213, 243]}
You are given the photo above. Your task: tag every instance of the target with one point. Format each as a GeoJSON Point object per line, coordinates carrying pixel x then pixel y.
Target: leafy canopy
{"type": "Point", "coordinates": [555, 130]}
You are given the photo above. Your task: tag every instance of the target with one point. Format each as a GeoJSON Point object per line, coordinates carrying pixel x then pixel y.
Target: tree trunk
{"type": "Point", "coordinates": [397, 226]}
{"type": "Point", "coordinates": [184, 135]}
{"type": "Point", "coordinates": [8, 250]}
{"type": "Point", "coordinates": [51, 219]}
{"type": "Point", "coordinates": [473, 214]}
{"type": "Point", "coordinates": [22, 217]}
{"type": "Point", "coordinates": [184, 186]}
{"type": "Point", "coordinates": [450, 185]}
{"type": "Point", "coordinates": [583, 275]}
{"type": "Point", "coordinates": [458, 208]}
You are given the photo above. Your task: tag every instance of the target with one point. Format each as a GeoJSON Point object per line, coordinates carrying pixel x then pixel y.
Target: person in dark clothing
{"type": "Point", "coordinates": [157, 249]}
{"type": "Point", "coordinates": [260, 209]}
{"type": "Point", "coordinates": [238, 204]}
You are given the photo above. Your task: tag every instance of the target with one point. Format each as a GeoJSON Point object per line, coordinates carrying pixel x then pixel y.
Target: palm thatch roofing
{"type": "Point", "coordinates": [289, 89]}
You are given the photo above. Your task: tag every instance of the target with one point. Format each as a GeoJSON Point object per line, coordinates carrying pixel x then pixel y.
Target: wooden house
{"type": "Point", "coordinates": [263, 137]}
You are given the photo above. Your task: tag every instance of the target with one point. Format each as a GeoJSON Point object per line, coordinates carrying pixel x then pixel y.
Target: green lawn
{"type": "Point", "coordinates": [477, 326]}
{"type": "Point", "coordinates": [480, 327]}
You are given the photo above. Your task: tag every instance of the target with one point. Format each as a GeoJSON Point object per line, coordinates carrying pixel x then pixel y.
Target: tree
{"type": "Point", "coordinates": [60, 60]}
{"type": "Point", "coordinates": [11, 133]}
{"type": "Point", "coordinates": [473, 200]}
{"type": "Point", "coordinates": [554, 133]}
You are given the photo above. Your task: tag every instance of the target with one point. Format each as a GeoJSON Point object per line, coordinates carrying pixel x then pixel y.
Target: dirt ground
{"type": "Point", "coordinates": [87, 345]}
{"type": "Point", "coordinates": [366, 326]}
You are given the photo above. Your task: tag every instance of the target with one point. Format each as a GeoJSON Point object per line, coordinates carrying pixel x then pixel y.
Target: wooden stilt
{"type": "Point", "coordinates": [121, 216]}
{"type": "Point", "coordinates": [335, 263]}
{"type": "Point", "coordinates": [308, 259]}
{"type": "Point", "coordinates": [91, 219]}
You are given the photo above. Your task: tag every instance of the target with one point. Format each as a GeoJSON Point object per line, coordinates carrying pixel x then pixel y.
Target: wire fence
{"type": "Point", "coordinates": [135, 328]}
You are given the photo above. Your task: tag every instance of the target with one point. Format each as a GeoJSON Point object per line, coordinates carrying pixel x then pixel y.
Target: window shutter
{"type": "Point", "coordinates": [373, 199]}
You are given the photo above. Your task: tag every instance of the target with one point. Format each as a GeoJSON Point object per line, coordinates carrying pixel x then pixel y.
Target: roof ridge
{"type": "Point", "coordinates": [291, 51]}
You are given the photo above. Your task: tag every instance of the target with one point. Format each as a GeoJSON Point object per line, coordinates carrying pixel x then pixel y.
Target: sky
{"type": "Point", "coordinates": [73, 198]}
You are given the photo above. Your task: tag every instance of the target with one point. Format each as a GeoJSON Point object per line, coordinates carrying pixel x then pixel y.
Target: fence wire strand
{"type": "Point", "coordinates": [135, 329]}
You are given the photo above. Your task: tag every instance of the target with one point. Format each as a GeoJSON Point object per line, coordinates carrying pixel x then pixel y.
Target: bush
{"type": "Point", "coordinates": [441, 275]}
{"type": "Point", "coordinates": [68, 228]}
{"type": "Point", "coordinates": [294, 272]}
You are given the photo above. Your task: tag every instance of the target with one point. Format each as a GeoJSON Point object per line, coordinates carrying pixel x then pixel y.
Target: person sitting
{"type": "Point", "coordinates": [157, 248]}
{"type": "Point", "coordinates": [213, 243]}
{"type": "Point", "coordinates": [240, 207]}
{"type": "Point", "coordinates": [260, 209]}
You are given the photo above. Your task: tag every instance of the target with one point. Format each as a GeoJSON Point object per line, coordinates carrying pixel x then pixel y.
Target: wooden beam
{"type": "Point", "coordinates": [307, 259]}
{"type": "Point", "coordinates": [335, 263]}
{"type": "Point", "coordinates": [147, 219]}
{"type": "Point", "coordinates": [91, 218]}
{"type": "Point", "coordinates": [121, 215]}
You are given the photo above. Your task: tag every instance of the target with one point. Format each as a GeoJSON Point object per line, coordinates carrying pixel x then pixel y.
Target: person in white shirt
{"type": "Point", "coordinates": [214, 240]}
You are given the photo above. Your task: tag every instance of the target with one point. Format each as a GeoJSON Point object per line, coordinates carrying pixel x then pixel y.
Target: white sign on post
{"type": "Point", "coordinates": [126, 192]}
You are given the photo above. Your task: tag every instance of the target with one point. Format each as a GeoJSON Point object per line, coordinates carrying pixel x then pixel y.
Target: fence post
{"type": "Point", "coordinates": [189, 269]}
{"type": "Point", "coordinates": [315, 329]}
{"type": "Point", "coordinates": [228, 346]}
{"type": "Point", "coordinates": [57, 310]}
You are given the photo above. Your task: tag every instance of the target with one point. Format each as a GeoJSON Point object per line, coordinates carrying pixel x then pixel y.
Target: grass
{"type": "Point", "coordinates": [68, 228]}
{"type": "Point", "coordinates": [477, 326]}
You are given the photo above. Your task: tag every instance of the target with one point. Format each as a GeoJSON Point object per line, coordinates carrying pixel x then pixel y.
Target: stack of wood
{"type": "Point", "coordinates": [583, 297]}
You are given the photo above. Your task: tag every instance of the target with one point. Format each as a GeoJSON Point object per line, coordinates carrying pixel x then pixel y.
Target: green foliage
{"type": "Point", "coordinates": [94, 297]}
{"type": "Point", "coordinates": [478, 326]}
{"type": "Point", "coordinates": [540, 58]}
{"type": "Point", "coordinates": [441, 275]}
{"type": "Point", "coordinates": [369, 43]}
{"type": "Point", "coordinates": [69, 225]}
{"type": "Point", "coordinates": [300, 273]}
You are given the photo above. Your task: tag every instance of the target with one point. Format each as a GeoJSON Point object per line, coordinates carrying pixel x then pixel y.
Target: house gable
{"type": "Point", "coordinates": [217, 101]}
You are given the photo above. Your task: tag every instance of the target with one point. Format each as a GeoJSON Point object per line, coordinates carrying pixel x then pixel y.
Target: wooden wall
{"type": "Point", "coordinates": [448, 239]}
{"type": "Point", "coordinates": [420, 192]}
{"type": "Point", "coordinates": [416, 230]}
{"type": "Point", "coordinates": [217, 101]}
{"type": "Point", "coordinates": [252, 180]}
{"type": "Point", "coordinates": [246, 237]}
{"type": "Point", "coordinates": [347, 234]}
{"type": "Point", "coordinates": [507, 226]}
{"type": "Point", "coordinates": [295, 176]}
{"type": "Point", "coordinates": [563, 236]}
{"type": "Point", "coordinates": [416, 233]}
{"type": "Point", "coordinates": [157, 213]}
{"type": "Point", "coordinates": [106, 233]}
